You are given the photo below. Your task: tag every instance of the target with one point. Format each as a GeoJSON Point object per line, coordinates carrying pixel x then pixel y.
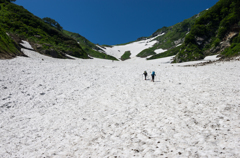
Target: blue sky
{"type": "Point", "coordinates": [115, 21]}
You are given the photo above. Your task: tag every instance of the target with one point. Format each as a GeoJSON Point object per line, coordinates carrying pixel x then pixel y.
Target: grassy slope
{"type": "Point", "coordinates": [18, 21]}
{"type": "Point", "coordinates": [172, 34]}
{"type": "Point", "coordinates": [8, 48]}
{"type": "Point", "coordinates": [88, 46]}
{"type": "Point", "coordinates": [212, 28]}
{"type": "Point", "coordinates": [126, 55]}
{"type": "Point", "coordinates": [147, 52]}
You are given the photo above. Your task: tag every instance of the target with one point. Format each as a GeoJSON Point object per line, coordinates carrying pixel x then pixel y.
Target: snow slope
{"type": "Point", "coordinates": [160, 50]}
{"type": "Point", "coordinates": [135, 47]}
{"type": "Point", "coordinates": [97, 108]}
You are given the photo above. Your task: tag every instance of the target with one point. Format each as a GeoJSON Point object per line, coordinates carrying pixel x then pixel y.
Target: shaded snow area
{"type": "Point", "coordinates": [97, 108]}
{"type": "Point", "coordinates": [135, 48]}
{"type": "Point", "coordinates": [26, 44]}
{"type": "Point", "coordinates": [206, 59]}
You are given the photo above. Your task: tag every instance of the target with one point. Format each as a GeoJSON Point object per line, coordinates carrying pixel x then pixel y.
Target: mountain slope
{"type": "Point", "coordinates": [173, 36]}
{"type": "Point", "coordinates": [8, 48]}
{"type": "Point", "coordinates": [45, 39]}
{"type": "Point", "coordinates": [216, 32]}
{"type": "Point", "coordinates": [90, 48]}
{"type": "Point", "coordinates": [165, 39]}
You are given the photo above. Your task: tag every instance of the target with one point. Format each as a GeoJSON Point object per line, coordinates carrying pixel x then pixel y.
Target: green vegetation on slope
{"type": "Point", "coordinates": [234, 49]}
{"type": "Point", "coordinates": [175, 34]}
{"type": "Point", "coordinates": [8, 48]}
{"type": "Point", "coordinates": [126, 55]}
{"type": "Point", "coordinates": [44, 38]}
{"type": "Point", "coordinates": [210, 33]}
{"type": "Point", "coordinates": [82, 40]}
{"type": "Point", "coordinates": [97, 54]}
{"type": "Point", "coordinates": [53, 23]}
{"type": "Point", "coordinates": [89, 47]}
{"type": "Point", "coordinates": [172, 36]}
{"type": "Point", "coordinates": [147, 52]}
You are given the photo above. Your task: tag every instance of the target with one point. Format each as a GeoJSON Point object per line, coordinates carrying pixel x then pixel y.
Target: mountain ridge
{"type": "Point", "coordinates": [89, 47]}
{"type": "Point", "coordinates": [23, 25]}
{"type": "Point", "coordinates": [212, 31]}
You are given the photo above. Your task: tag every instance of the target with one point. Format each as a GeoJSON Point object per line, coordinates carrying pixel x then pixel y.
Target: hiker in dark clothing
{"type": "Point", "coordinates": [153, 75]}
{"type": "Point", "coordinates": [145, 74]}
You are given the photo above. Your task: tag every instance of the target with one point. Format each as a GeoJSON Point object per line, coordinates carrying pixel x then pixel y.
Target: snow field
{"type": "Point", "coordinates": [135, 48]}
{"type": "Point", "coordinates": [97, 108]}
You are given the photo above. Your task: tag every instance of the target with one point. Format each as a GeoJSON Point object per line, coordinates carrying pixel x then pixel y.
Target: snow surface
{"type": "Point", "coordinates": [160, 50]}
{"type": "Point", "coordinates": [98, 108]}
{"type": "Point", "coordinates": [179, 45]}
{"type": "Point", "coordinates": [26, 44]}
{"type": "Point", "coordinates": [212, 58]}
{"type": "Point", "coordinates": [134, 48]}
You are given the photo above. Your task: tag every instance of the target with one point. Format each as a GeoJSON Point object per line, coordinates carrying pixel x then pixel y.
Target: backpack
{"type": "Point", "coordinates": [153, 73]}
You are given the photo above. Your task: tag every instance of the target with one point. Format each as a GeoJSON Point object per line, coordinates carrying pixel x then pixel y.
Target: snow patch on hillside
{"type": "Point", "coordinates": [26, 44]}
{"type": "Point", "coordinates": [212, 58]}
{"type": "Point", "coordinates": [158, 51]}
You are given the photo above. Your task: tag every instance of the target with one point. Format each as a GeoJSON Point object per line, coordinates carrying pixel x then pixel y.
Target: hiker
{"type": "Point", "coordinates": [145, 74]}
{"type": "Point", "coordinates": [153, 75]}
